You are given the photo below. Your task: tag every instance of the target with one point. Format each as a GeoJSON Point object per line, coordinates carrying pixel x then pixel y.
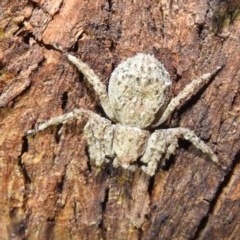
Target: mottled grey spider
{"type": "Point", "coordinates": [137, 100]}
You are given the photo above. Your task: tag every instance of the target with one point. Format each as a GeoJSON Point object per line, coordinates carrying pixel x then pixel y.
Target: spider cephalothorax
{"type": "Point", "coordinates": [137, 99]}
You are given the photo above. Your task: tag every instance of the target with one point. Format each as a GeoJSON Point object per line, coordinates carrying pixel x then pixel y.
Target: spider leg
{"type": "Point", "coordinates": [98, 132]}
{"type": "Point", "coordinates": [75, 114]}
{"type": "Point", "coordinates": [99, 135]}
{"type": "Point", "coordinates": [190, 136]}
{"type": "Point", "coordinates": [188, 91]}
{"type": "Point", "coordinates": [163, 143]}
{"type": "Point", "coordinates": [97, 85]}
{"type": "Point", "coordinates": [155, 149]}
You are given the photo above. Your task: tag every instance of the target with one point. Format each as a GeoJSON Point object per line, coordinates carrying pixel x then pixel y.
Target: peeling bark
{"type": "Point", "coordinates": [49, 189]}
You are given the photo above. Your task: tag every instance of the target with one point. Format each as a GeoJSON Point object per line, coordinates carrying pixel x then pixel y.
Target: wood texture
{"type": "Point", "coordinates": [48, 188]}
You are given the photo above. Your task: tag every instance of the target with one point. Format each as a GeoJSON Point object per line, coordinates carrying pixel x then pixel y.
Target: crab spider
{"type": "Point", "coordinates": [137, 100]}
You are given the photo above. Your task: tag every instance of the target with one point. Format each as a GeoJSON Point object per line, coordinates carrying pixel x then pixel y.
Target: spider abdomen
{"type": "Point", "coordinates": [138, 90]}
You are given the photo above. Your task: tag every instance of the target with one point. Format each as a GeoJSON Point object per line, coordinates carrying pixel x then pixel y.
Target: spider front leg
{"type": "Point", "coordinates": [163, 143]}
{"type": "Point", "coordinates": [98, 132]}
{"type": "Point", "coordinates": [75, 114]}
{"type": "Point", "coordinates": [155, 149]}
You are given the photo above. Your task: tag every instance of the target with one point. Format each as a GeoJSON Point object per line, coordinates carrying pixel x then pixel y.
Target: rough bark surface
{"type": "Point", "coordinates": [48, 188]}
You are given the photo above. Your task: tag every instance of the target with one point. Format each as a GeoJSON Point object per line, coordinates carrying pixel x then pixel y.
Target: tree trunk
{"type": "Point", "coordinates": [49, 188]}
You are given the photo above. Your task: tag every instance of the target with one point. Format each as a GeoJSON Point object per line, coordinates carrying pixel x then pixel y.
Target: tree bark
{"type": "Point", "coordinates": [49, 189]}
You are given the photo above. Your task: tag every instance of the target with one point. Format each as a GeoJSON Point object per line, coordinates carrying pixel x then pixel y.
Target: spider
{"type": "Point", "coordinates": [137, 100]}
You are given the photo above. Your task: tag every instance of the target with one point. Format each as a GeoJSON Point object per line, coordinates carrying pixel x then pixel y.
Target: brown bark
{"type": "Point", "coordinates": [49, 190]}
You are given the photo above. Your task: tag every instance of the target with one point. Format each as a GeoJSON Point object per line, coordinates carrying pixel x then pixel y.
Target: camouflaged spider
{"type": "Point", "coordinates": [137, 99]}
